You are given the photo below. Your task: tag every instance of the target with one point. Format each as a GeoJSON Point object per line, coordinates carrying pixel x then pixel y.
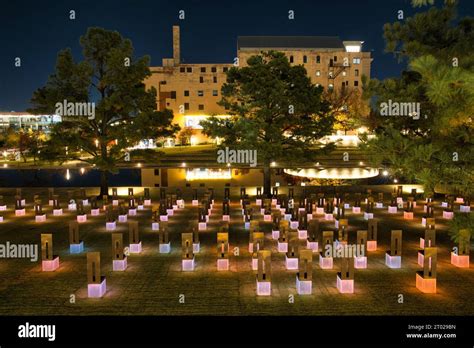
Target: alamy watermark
{"type": "Point", "coordinates": [19, 251]}
{"type": "Point", "coordinates": [344, 250]}
{"type": "Point", "coordinates": [227, 155]}
{"type": "Point", "coordinates": [76, 109]}
{"type": "Point", "coordinates": [391, 108]}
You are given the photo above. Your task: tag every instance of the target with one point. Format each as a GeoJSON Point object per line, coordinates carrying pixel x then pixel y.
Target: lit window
{"type": "Point", "coordinates": [344, 73]}
{"type": "Point", "coordinates": [331, 86]}
{"type": "Point", "coordinates": [200, 93]}
{"type": "Point", "coordinates": [356, 72]}
{"type": "Point", "coordinates": [355, 60]}
{"type": "Point", "coordinates": [318, 72]}
{"type": "Point", "coordinates": [215, 93]}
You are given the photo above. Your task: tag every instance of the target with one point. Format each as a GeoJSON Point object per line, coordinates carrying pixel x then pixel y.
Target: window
{"type": "Point", "coordinates": [318, 59]}
{"type": "Point", "coordinates": [189, 69]}
{"type": "Point", "coordinates": [356, 83]}
{"type": "Point", "coordinates": [214, 79]}
{"type": "Point", "coordinates": [182, 69]}
{"type": "Point", "coordinates": [331, 86]}
{"type": "Point", "coordinates": [344, 73]}
{"type": "Point", "coordinates": [186, 93]}
{"type": "Point", "coordinates": [213, 69]}
{"type": "Point", "coordinates": [173, 94]}
{"type": "Point", "coordinates": [356, 72]}
{"type": "Point", "coordinates": [318, 72]}
{"type": "Point", "coordinates": [157, 172]}
{"type": "Point", "coordinates": [157, 185]}
{"type": "Point", "coordinates": [356, 60]}
{"type": "Point", "coordinates": [201, 107]}
{"type": "Point", "coordinates": [305, 59]}
{"type": "Point", "coordinates": [291, 59]}
{"type": "Point", "coordinates": [162, 82]}
{"type": "Point", "coordinates": [225, 69]}
{"type": "Point", "coordinates": [335, 58]}
{"type": "Point", "coordinates": [215, 92]}
{"type": "Point", "coordinates": [331, 74]}
{"type": "Point", "coordinates": [201, 79]}
{"type": "Point", "coordinates": [203, 69]}
{"type": "Point", "coordinates": [186, 106]}
{"type": "Point", "coordinates": [200, 93]}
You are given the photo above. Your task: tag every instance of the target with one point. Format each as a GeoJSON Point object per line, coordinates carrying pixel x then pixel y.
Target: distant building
{"type": "Point", "coordinates": [24, 120]}
{"type": "Point", "coordinates": [193, 90]}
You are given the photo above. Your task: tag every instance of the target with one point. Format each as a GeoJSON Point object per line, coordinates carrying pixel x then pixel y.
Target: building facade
{"type": "Point", "coordinates": [24, 120]}
{"type": "Point", "coordinates": [192, 91]}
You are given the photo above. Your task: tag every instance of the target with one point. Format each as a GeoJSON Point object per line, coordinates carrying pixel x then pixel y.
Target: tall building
{"type": "Point", "coordinates": [193, 90]}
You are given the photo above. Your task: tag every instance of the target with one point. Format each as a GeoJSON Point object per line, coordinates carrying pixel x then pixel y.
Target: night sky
{"type": "Point", "coordinates": [36, 30]}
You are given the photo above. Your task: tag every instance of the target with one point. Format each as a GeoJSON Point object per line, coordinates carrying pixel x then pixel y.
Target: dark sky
{"type": "Point", "coordinates": [36, 30]}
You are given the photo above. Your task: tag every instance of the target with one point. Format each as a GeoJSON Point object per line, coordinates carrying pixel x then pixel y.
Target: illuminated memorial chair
{"type": "Point", "coordinates": [222, 251]}
{"type": "Point", "coordinates": [81, 214]}
{"type": "Point", "coordinates": [291, 257]}
{"type": "Point", "coordinates": [428, 215]}
{"type": "Point", "coordinates": [313, 236]}
{"type": "Point", "coordinates": [258, 196]}
{"type": "Point", "coordinates": [162, 210]}
{"type": "Point", "coordinates": [282, 243]}
{"type": "Point", "coordinates": [342, 231]}
{"type": "Point", "coordinates": [95, 210]}
{"type": "Point", "coordinates": [196, 242]}
{"type": "Point", "coordinates": [110, 220]}
{"type": "Point", "coordinates": [194, 200]}
{"type": "Point", "coordinates": [329, 210]}
{"type": "Point", "coordinates": [428, 241]}
{"type": "Point", "coordinates": [83, 196]}
{"type": "Point", "coordinates": [426, 279]}
{"type": "Point", "coordinates": [264, 284]}
{"type": "Point", "coordinates": [3, 207]}
{"type": "Point", "coordinates": [325, 256]}
{"type": "Point", "coordinates": [267, 209]}
{"type": "Point", "coordinates": [380, 200]}
{"type": "Point", "coordinates": [147, 197]}
{"type": "Point", "coordinates": [320, 204]}
{"type": "Point", "coordinates": [460, 255]}
{"type": "Point", "coordinates": [76, 246]}
{"type": "Point", "coordinates": [132, 209]}
{"type": "Point", "coordinates": [202, 218]}
{"type": "Point", "coordinates": [309, 208]}
{"type": "Point", "coordinates": [96, 285]}
{"type": "Point", "coordinates": [360, 261]}
{"type": "Point", "coordinates": [50, 196]}
{"type": "Point", "coordinates": [225, 210]}
{"type": "Point", "coordinates": [188, 261]}
{"type": "Point", "coordinates": [393, 257]}
{"type": "Point", "coordinates": [345, 278]}
{"type": "Point", "coordinates": [408, 212]}
{"type": "Point", "coordinates": [155, 220]}
{"type": "Point", "coordinates": [393, 206]}
{"type": "Point", "coordinates": [448, 212]}
{"type": "Point", "coordinates": [356, 206]}
{"type": "Point", "coordinates": [369, 209]}
{"type": "Point", "coordinates": [164, 243]}
{"type": "Point", "coordinates": [276, 218]}
{"type": "Point", "coordinates": [294, 220]}
{"type": "Point", "coordinates": [134, 238]}
{"type": "Point", "coordinates": [304, 277]}
{"type": "Point", "coordinates": [465, 207]}
{"type": "Point", "coordinates": [258, 239]}
{"type": "Point", "coordinates": [40, 216]}
{"type": "Point", "coordinates": [429, 224]}
{"type": "Point", "coordinates": [119, 261]}
{"type": "Point", "coordinates": [115, 200]}
{"type": "Point", "coordinates": [302, 226]}
{"type": "Point", "coordinates": [19, 206]}
{"type": "Point", "coordinates": [57, 210]}
{"type": "Point", "coordinates": [50, 262]}
{"type": "Point", "coordinates": [169, 205]}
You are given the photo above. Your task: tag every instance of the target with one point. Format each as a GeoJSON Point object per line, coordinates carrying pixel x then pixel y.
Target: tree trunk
{"type": "Point", "coordinates": [267, 180]}
{"type": "Point", "coordinates": [104, 183]}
